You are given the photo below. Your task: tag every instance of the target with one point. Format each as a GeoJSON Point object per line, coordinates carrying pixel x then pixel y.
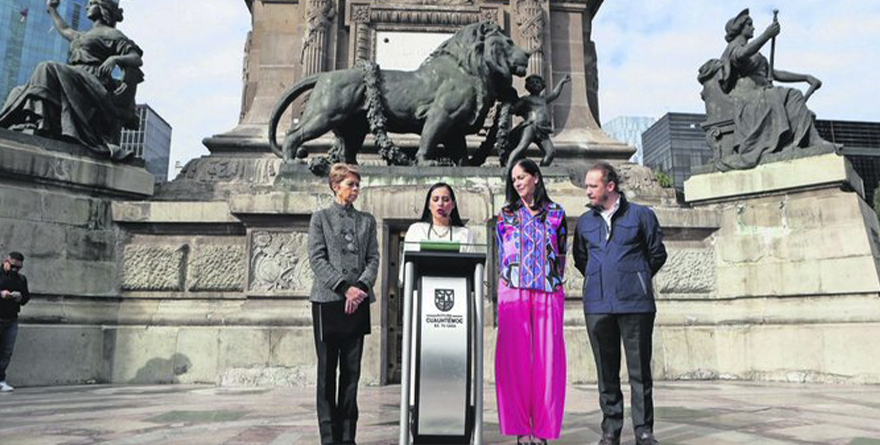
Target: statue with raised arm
{"type": "Point", "coordinates": [536, 126]}
{"type": "Point", "coordinates": [739, 88]}
{"type": "Point", "coordinates": [82, 101]}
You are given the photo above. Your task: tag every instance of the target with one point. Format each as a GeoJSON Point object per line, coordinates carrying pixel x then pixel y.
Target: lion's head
{"type": "Point", "coordinates": [482, 49]}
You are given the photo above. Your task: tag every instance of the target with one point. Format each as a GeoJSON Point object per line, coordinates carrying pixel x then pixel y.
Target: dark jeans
{"type": "Point", "coordinates": [606, 332]}
{"type": "Point", "coordinates": [8, 333]}
{"type": "Point", "coordinates": [337, 413]}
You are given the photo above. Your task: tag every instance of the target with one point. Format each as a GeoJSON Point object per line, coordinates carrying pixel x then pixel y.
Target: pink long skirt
{"type": "Point", "coordinates": [530, 362]}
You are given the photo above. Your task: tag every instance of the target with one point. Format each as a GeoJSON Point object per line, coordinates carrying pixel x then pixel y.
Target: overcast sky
{"type": "Point", "coordinates": [649, 52]}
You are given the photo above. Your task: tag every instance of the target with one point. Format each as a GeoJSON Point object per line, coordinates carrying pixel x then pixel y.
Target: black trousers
{"type": "Point", "coordinates": [8, 333]}
{"type": "Point", "coordinates": [635, 330]}
{"type": "Point", "coordinates": [337, 403]}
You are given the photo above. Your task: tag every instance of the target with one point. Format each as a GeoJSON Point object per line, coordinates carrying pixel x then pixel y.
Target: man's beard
{"type": "Point", "coordinates": [599, 205]}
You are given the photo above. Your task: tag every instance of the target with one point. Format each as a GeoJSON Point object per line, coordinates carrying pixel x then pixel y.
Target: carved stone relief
{"type": "Point", "coordinates": [530, 20]}
{"type": "Point", "coordinates": [574, 280]}
{"type": "Point", "coordinates": [216, 268]}
{"type": "Point", "coordinates": [409, 15]}
{"type": "Point", "coordinates": [424, 2]}
{"type": "Point", "coordinates": [153, 268]}
{"type": "Point", "coordinates": [212, 170]}
{"type": "Point", "coordinates": [420, 16]}
{"type": "Point", "coordinates": [640, 183]}
{"type": "Point", "coordinates": [319, 19]}
{"type": "Point", "coordinates": [687, 271]}
{"type": "Point", "coordinates": [360, 13]}
{"type": "Point", "coordinates": [491, 15]}
{"type": "Point", "coordinates": [278, 263]}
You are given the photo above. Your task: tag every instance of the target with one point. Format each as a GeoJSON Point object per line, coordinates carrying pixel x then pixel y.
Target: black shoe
{"type": "Point", "coordinates": [646, 438]}
{"type": "Point", "coordinates": [609, 439]}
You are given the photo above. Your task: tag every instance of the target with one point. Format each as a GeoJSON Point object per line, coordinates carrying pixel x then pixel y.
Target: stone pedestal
{"type": "Point", "coordinates": [797, 259]}
{"type": "Point", "coordinates": [55, 201]}
{"type": "Point", "coordinates": [792, 228]}
{"type": "Point", "coordinates": [55, 208]}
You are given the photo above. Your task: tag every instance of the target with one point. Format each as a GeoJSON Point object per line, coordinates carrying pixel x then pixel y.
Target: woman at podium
{"type": "Point", "coordinates": [344, 256]}
{"type": "Point", "coordinates": [440, 220]}
{"type": "Point", "coordinates": [530, 350]}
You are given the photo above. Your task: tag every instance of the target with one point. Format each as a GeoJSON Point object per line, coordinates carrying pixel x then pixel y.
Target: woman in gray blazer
{"type": "Point", "coordinates": [344, 256]}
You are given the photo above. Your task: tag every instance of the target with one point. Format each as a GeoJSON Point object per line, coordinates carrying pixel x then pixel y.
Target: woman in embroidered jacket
{"type": "Point", "coordinates": [344, 256]}
{"type": "Point", "coordinates": [530, 351]}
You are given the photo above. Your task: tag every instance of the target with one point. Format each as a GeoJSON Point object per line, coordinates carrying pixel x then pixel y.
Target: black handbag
{"type": "Point", "coordinates": [333, 321]}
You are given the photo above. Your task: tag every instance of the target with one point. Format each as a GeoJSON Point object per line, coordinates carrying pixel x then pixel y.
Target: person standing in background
{"type": "Point", "coordinates": [14, 294]}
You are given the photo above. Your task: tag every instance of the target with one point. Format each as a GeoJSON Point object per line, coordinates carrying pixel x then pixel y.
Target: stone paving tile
{"type": "Point", "coordinates": [726, 438]}
{"type": "Point", "coordinates": [687, 413]}
{"type": "Point", "coordinates": [830, 435]}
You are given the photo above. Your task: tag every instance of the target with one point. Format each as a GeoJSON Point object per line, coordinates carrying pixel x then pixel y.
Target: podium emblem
{"type": "Point", "coordinates": [444, 299]}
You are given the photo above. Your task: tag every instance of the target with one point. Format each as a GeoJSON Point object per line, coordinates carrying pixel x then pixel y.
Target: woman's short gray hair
{"type": "Point", "coordinates": [340, 171]}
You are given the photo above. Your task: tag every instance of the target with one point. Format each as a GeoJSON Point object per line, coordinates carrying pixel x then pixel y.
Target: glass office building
{"type": "Point", "coordinates": [150, 142]}
{"type": "Point", "coordinates": [861, 145]}
{"type": "Point", "coordinates": [629, 129]}
{"type": "Point", "coordinates": [676, 143]}
{"type": "Point", "coordinates": [28, 37]}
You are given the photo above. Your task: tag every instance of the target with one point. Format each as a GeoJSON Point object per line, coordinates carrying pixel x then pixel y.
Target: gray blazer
{"type": "Point", "coordinates": [343, 247]}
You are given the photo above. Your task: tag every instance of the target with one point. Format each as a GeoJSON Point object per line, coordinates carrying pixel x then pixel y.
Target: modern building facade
{"type": "Point", "coordinates": [150, 142]}
{"type": "Point", "coordinates": [861, 145]}
{"type": "Point", "coordinates": [676, 144]}
{"type": "Point", "coordinates": [629, 129]}
{"type": "Point", "coordinates": [28, 37]}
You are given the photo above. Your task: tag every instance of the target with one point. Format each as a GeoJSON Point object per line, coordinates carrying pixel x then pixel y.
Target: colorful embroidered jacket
{"type": "Point", "coordinates": [532, 248]}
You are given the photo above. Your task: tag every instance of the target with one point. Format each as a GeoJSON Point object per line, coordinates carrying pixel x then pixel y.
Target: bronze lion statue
{"type": "Point", "coordinates": [446, 98]}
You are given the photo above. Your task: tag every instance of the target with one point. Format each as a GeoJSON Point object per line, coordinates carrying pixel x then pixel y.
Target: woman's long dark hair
{"type": "Point", "coordinates": [454, 218]}
{"type": "Point", "coordinates": [514, 202]}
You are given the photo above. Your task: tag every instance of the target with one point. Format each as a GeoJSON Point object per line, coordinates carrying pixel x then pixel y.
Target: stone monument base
{"type": "Point", "coordinates": [211, 280]}
{"type": "Point", "coordinates": [571, 145]}
{"type": "Point", "coordinates": [798, 274]}
{"type": "Point", "coordinates": [55, 201]}
{"type": "Point", "coordinates": [208, 282]}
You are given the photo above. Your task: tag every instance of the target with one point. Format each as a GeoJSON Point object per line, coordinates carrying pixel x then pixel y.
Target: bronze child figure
{"type": "Point", "coordinates": [536, 126]}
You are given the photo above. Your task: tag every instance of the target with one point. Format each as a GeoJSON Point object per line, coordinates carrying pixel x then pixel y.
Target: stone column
{"type": "Point", "coordinates": [530, 21]}
{"type": "Point", "coordinates": [361, 18]}
{"type": "Point", "coordinates": [319, 18]}
{"type": "Point", "coordinates": [591, 68]}
{"type": "Point", "coordinates": [246, 87]}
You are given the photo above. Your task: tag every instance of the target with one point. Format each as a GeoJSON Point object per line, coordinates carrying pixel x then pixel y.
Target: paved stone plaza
{"type": "Point", "coordinates": [715, 413]}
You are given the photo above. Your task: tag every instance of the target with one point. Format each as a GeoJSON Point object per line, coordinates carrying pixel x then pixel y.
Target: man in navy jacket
{"type": "Point", "coordinates": [618, 247]}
